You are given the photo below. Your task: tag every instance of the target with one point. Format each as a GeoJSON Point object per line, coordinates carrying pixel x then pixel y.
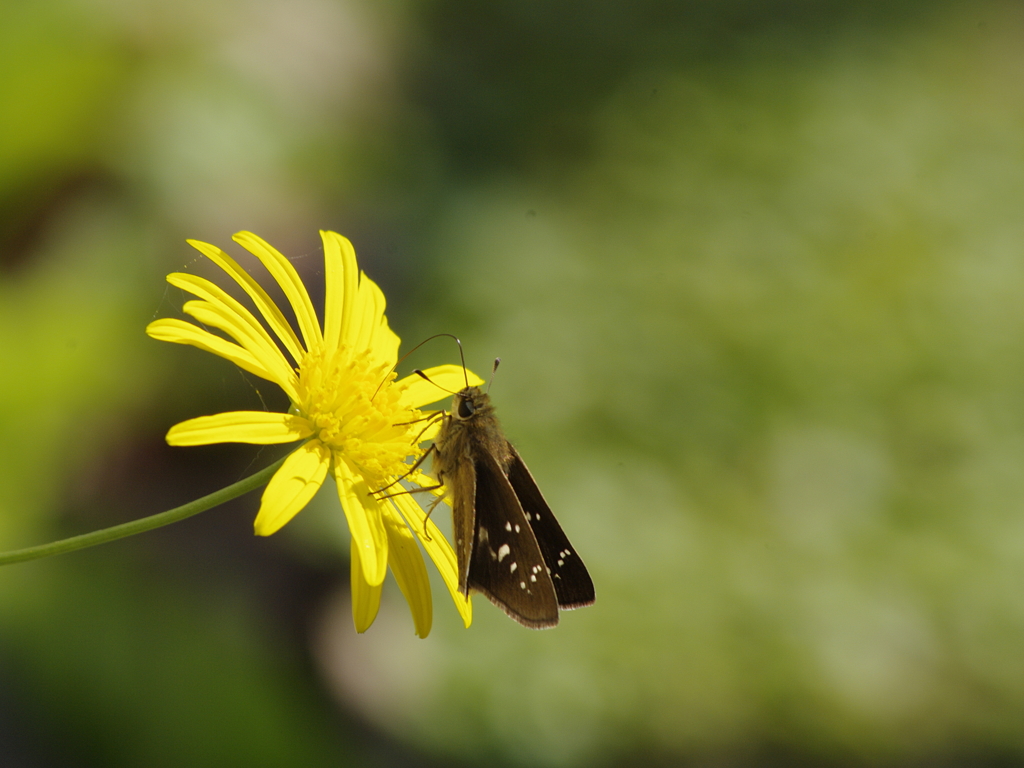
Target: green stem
{"type": "Point", "coordinates": [158, 520]}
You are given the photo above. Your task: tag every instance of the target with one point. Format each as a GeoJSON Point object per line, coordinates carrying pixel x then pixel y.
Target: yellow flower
{"type": "Point", "coordinates": [357, 421]}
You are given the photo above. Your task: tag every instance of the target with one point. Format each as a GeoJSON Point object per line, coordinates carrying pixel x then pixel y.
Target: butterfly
{"type": "Point", "coordinates": [508, 544]}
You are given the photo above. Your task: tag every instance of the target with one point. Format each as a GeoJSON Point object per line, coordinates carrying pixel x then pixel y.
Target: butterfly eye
{"type": "Point", "coordinates": [466, 409]}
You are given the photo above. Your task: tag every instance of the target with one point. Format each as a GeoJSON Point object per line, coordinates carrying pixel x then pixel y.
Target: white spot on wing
{"type": "Point", "coordinates": [522, 585]}
{"type": "Point", "coordinates": [513, 567]}
{"type": "Point", "coordinates": [517, 527]}
{"type": "Point", "coordinates": [508, 526]}
{"type": "Point", "coordinates": [503, 551]}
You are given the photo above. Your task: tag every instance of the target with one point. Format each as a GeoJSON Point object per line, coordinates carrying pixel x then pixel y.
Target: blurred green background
{"type": "Point", "coordinates": [756, 273]}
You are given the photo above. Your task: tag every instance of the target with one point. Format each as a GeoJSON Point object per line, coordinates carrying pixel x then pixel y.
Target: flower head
{"type": "Point", "coordinates": [359, 422]}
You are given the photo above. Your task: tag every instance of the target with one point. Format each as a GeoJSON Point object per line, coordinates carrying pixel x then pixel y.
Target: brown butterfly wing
{"type": "Point", "coordinates": [463, 498]}
{"type": "Point", "coordinates": [506, 564]}
{"type": "Point", "coordinates": [570, 577]}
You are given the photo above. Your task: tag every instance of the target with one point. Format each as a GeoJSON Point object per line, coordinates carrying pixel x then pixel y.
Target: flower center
{"type": "Point", "coordinates": [356, 412]}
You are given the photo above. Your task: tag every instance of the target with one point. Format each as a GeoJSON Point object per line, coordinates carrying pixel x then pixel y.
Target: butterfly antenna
{"type": "Point", "coordinates": [424, 376]}
{"type": "Point", "coordinates": [463, 358]}
{"type": "Point", "coordinates": [494, 370]}
{"type": "Point", "coordinates": [402, 359]}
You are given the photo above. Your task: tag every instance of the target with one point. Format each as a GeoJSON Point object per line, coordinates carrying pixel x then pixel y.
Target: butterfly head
{"type": "Point", "coordinates": [468, 402]}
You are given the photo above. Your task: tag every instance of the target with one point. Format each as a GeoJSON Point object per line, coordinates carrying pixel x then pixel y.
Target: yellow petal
{"type": "Point", "coordinates": [292, 486]}
{"type": "Point", "coordinates": [362, 314]}
{"type": "Point", "coordinates": [255, 427]}
{"type": "Point", "coordinates": [284, 273]}
{"type": "Point", "coordinates": [365, 597]}
{"type": "Point", "coordinates": [367, 325]}
{"type": "Point", "coordinates": [341, 281]}
{"type": "Point", "coordinates": [406, 561]}
{"type": "Point", "coordinates": [266, 352]}
{"type": "Point", "coordinates": [218, 297]}
{"type": "Point", "coordinates": [365, 521]}
{"type": "Point", "coordinates": [270, 311]}
{"type": "Point", "coordinates": [375, 335]}
{"type": "Point", "coordinates": [182, 332]}
{"type": "Point", "coordinates": [354, 304]}
{"type": "Point", "coordinates": [385, 343]}
{"type": "Point", "coordinates": [440, 552]}
{"type": "Point", "coordinates": [444, 380]}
